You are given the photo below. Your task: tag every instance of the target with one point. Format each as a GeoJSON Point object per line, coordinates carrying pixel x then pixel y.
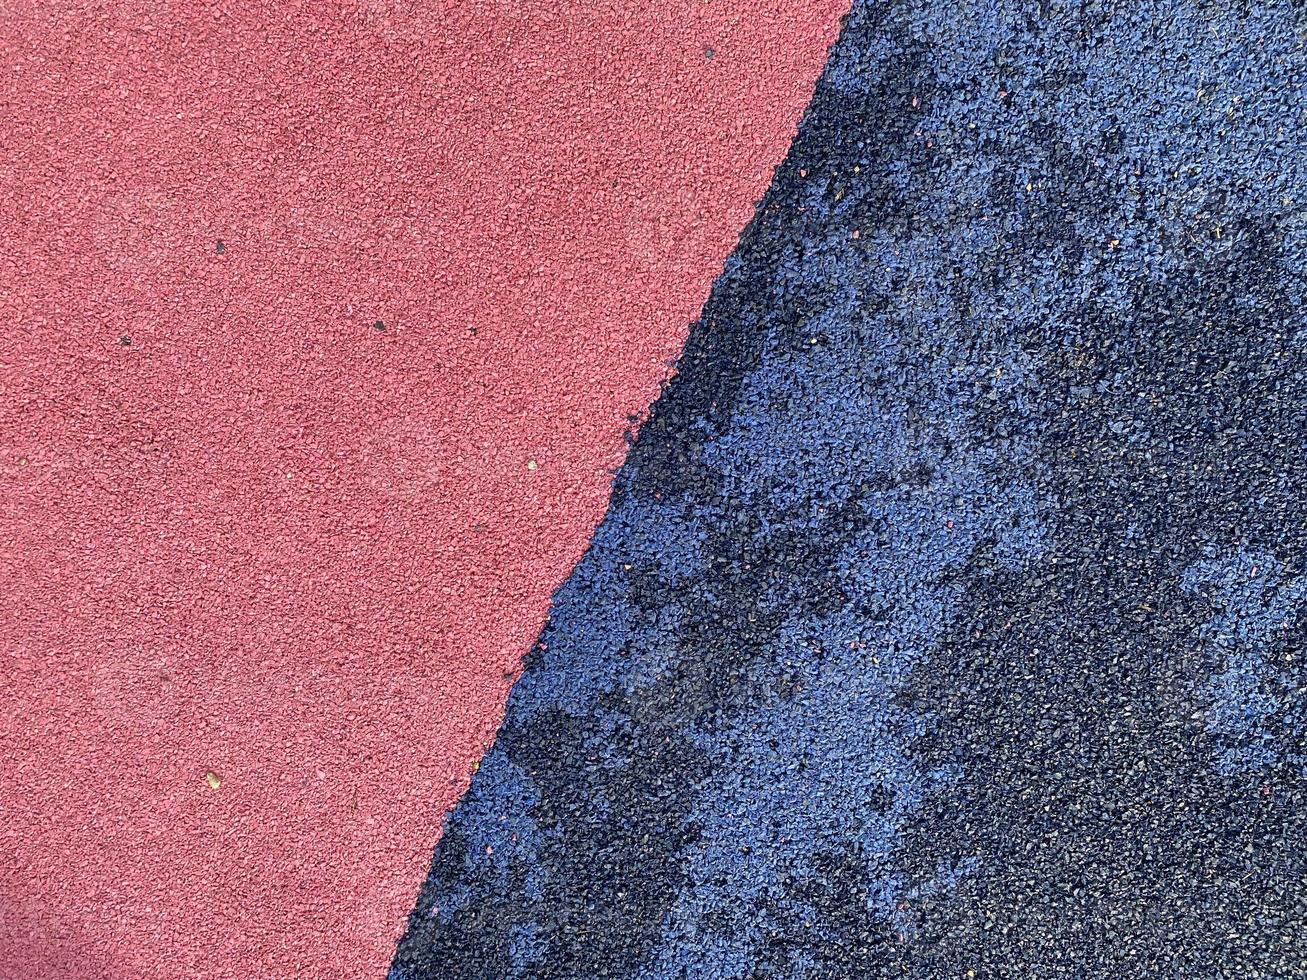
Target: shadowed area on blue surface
{"type": "Point", "coordinates": [945, 620]}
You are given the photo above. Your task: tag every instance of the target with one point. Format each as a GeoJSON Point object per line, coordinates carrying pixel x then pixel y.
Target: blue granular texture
{"type": "Point", "coordinates": [946, 618]}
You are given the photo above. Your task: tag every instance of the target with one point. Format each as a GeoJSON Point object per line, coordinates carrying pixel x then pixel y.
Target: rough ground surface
{"type": "Point", "coordinates": [266, 569]}
{"type": "Point", "coordinates": [946, 620]}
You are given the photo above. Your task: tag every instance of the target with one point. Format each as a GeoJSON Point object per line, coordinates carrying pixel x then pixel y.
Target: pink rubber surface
{"type": "Point", "coordinates": [247, 533]}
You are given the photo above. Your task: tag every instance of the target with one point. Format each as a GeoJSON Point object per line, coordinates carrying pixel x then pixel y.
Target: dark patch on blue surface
{"type": "Point", "coordinates": [946, 615]}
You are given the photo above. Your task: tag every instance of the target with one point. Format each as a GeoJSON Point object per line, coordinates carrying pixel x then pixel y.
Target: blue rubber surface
{"type": "Point", "coordinates": [946, 619]}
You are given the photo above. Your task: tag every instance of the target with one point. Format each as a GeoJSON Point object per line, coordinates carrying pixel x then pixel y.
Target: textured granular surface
{"type": "Point", "coordinates": [323, 325]}
{"type": "Point", "coordinates": [946, 620]}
